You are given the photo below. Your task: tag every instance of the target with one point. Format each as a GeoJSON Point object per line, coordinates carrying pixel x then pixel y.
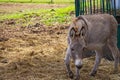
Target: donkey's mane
{"type": "Point", "coordinates": [77, 19]}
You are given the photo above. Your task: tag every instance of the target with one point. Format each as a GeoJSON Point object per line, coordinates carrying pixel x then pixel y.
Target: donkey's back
{"type": "Point", "coordinates": [101, 27]}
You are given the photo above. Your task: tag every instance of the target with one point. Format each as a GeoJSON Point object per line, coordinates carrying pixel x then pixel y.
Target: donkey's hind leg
{"type": "Point", "coordinates": [112, 43]}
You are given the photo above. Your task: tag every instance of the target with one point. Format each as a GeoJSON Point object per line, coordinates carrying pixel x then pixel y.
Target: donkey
{"type": "Point", "coordinates": [91, 32]}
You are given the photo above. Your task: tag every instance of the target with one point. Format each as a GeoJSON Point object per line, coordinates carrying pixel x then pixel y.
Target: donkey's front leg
{"type": "Point", "coordinates": [67, 63]}
{"type": "Point", "coordinates": [97, 62]}
{"type": "Point", "coordinates": [77, 74]}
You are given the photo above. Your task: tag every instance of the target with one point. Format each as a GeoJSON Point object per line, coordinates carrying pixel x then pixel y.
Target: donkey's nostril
{"type": "Point", "coordinates": [79, 66]}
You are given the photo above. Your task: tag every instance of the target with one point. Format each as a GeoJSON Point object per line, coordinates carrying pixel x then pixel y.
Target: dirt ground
{"type": "Point", "coordinates": [9, 7]}
{"type": "Point", "coordinates": [36, 52]}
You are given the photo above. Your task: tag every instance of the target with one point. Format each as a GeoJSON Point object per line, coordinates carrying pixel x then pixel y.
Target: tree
{"type": "Point", "coordinates": [51, 1]}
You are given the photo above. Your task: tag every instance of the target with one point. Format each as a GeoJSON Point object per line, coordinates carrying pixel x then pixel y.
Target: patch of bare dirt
{"type": "Point", "coordinates": [19, 7]}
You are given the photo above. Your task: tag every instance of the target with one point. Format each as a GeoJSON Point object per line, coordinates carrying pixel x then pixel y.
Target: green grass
{"type": "Point", "coordinates": [48, 16]}
{"type": "Point", "coordinates": [58, 16]}
{"type": "Point", "coordinates": [38, 1]}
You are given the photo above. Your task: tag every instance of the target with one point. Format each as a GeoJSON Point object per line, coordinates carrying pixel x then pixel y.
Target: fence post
{"type": "Point", "coordinates": [103, 6]}
{"type": "Point", "coordinates": [114, 7]}
{"type": "Point", "coordinates": [77, 7]}
{"type": "Point", "coordinates": [91, 6]}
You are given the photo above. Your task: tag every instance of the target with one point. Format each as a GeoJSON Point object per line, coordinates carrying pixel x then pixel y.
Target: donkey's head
{"type": "Point", "coordinates": [77, 40]}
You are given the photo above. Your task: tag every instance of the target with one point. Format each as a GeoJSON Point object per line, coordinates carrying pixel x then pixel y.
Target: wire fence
{"type": "Point", "coordinates": [97, 6]}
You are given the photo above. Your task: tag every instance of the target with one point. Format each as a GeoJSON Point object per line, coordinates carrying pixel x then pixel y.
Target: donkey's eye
{"type": "Point", "coordinates": [72, 49]}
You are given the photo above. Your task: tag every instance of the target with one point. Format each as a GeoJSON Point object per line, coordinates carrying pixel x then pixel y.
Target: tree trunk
{"type": "Point", "coordinates": [51, 1]}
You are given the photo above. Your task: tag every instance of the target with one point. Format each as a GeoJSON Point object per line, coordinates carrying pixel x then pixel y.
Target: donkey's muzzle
{"type": "Point", "coordinates": [78, 63]}
{"type": "Point", "coordinates": [79, 66]}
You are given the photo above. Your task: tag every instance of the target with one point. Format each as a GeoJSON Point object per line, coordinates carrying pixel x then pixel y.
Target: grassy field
{"type": "Point", "coordinates": [48, 16]}
{"type": "Point", "coordinates": [39, 1]}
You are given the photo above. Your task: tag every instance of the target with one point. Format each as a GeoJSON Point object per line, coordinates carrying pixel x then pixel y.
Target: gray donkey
{"type": "Point", "coordinates": [91, 32]}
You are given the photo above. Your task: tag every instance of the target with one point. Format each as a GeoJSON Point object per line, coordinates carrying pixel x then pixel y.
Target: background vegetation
{"type": "Point", "coordinates": [39, 1]}
{"type": "Point", "coordinates": [48, 16]}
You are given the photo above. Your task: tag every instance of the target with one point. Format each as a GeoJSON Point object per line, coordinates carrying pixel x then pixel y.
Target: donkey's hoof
{"type": "Point", "coordinates": [77, 78]}
{"type": "Point", "coordinates": [71, 75]}
{"type": "Point", "coordinates": [115, 71]}
{"type": "Point", "coordinates": [93, 73]}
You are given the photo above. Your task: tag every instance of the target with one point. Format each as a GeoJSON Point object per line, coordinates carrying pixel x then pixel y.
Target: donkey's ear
{"type": "Point", "coordinates": [72, 32]}
{"type": "Point", "coordinates": [83, 31]}
{"type": "Point", "coordinates": [83, 34]}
